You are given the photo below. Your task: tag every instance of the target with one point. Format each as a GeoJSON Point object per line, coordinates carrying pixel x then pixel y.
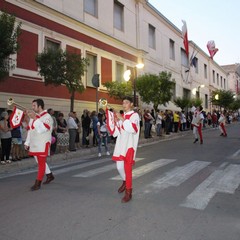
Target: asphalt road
{"type": "Point", "coordinates": [181, 191]}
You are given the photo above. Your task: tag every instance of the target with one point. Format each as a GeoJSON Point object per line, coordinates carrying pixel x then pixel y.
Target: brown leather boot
{"type": "Point", "coordinates": [123, 187]}
{"type": "Point", "coordinates": [36, 186]}
{"type": "Point", "coordinates": [128, 196]}
{"type": "Point", "coordinates": [50, 178]}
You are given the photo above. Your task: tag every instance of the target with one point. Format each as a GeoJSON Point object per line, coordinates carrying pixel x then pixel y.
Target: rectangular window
{"type": "Point", "coordinates": [119, 72]}
{"type": "Point", "coordinates": [195, 64]}
{"type": "Point", "coordinates": [221, 81]}
{"type": "Point", "coordinates": [184, 58]}
{"type": "Point", "coordinates": [171, 49]}
{"type": "Point", "coordinates": [213, 76]}
{"type": "Point", "coordinates": [205, 71]}
{"type": "Point", "coordinates": [206, 101]}
{"type": "Point", "coordinates": [217, 79]}
{"type": "Point", "coordinates": [151, 37]}
{"type": "Point", "coordinates": [118, 15]}
{"type": "Point", "coordinates": [91, 68]}
{"type": "Point", "coordinates": [52, 44]}
{"type": "Point", "coordinates": [90, 6]}
{"type": "Point", "coordinates": [186, 93]}
{"type": "Point", "coordinates": [224, 83]}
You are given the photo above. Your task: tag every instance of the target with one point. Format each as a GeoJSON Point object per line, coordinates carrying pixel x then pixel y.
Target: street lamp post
{"type": "Point", "coordinates": [127, 76]}
{"type": "Point", "coordinates": [195, 90]}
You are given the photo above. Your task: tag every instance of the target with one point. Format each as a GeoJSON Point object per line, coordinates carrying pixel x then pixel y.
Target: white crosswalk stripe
{"type": "Point", "coordinates": [100, 170]}
{"type": "Point", "coordinates": [223, 180]}
{"type": "Point", "coordinates": [176, 176]}
{"type": "Point", "coordinates": [140, 171]}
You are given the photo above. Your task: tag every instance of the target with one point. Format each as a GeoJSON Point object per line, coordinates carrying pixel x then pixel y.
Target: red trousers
{"type": "Point", "coordinates": [128, 163]}
{"type": "Point", "coordinates": [41, 167]}
{"type": "Point", "coordinates": [223, 129]}
{"type": "Point", "coordinates": [200, 131]}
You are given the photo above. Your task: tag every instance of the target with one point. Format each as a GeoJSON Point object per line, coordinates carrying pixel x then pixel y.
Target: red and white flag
{"type": "Point", "coordinates": [16, 117]}
{"type": "Point", "coordinates": [185, 37]}
{"type": "Point", "coordinates": [211, 48]}
{"type": "Point", "coordinates": [110, 121]}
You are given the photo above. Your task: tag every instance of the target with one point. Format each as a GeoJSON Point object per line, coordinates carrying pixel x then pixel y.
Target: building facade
{"type": "Point", "coordinates": [233, 72]}
{"type": "Point", "coordinates": [115, 36]}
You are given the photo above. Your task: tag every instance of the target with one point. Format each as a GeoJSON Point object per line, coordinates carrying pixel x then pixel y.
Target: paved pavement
{"type": "Point", "coordinates": [64, 158]}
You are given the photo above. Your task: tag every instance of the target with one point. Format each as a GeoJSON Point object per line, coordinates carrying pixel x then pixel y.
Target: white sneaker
{"type": "Point", "coordinates": [99, 155]}
{"type": "Point", "coordinates": [107, 153]}
{"type": "Point", "coordinates": [8, 161]}
{"type": "Point", "coordinates": [3, 162]}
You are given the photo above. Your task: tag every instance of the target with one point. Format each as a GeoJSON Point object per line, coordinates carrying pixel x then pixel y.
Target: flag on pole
{"type": "Point", "coordinates": [16, 117]}
{"type": "Point", "coordinates": [211, 48]}
{"type": "Point", "coordinates": [110, 121]}
{"type": "Point", "coordinates": [185, 37]}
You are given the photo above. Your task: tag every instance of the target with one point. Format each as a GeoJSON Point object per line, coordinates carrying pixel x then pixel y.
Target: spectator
{"type": "Point", "coordinates": [77, 140]}
{"type": "Point", "coordinates": [6, 138]}
{"type": "Point", "coordinates": [102, 134]}
{"type": "Point", "coordinates": [183, 121]}
{"type": "Point", "coordinates": [16, 143]}
{"type": "Point", "coordinates": [24, 128]}
{"type": "Point", "coordinates": [72, 130]}
{"type": "Point", "coordinates": [86, 120]}
{"type": "Point", "coordinates": [54, 131]}
{"type": "Point", "coordinates": [159, 123]}
{"type": "Point", "coordinates": [176, 120]}
{"type": "Point", "coordinates": [94, 121]}
{"type": "Point", "coordinates": [62, 134]}
{"type": "Point", "coordinates": [167, 122]}
{"type": "Point", "coordinates": [147, 123]}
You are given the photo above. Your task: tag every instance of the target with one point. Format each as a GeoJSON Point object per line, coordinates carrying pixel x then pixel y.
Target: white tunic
{"type": "Point", "coordinates": [127, 133]}
{"type": "Point", "coordinates": [40, 134]}
{"type": "Point", "coordinates": [197, 118]}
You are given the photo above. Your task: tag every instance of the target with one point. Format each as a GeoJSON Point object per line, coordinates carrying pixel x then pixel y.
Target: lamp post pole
{"type": "Point", "coordinates": [138, 66]}
{"type": "Point", "coordinates": [127, 76]}
{"type": "Point", "coordinates": [134, 88]}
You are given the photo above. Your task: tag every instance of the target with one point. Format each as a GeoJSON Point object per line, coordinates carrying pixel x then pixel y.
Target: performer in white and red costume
{"type": "Point", "coordinates": [38, 140]}
{"type": "Point", "coordinates": [197, 123]}
{"type": "Point", "coordinates": [222, 122]}
{"type": "Point", "coordinates": [126, 129]}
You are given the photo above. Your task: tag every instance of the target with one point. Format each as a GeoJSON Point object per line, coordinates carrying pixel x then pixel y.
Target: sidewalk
{"type": "Point", "coordinates": [65, 158]}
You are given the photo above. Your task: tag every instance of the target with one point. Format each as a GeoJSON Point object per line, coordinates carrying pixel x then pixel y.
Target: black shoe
{"type": "Point", "coordinates": [195, 140]}
{"type": "Point", "coordinates": [201, 142]}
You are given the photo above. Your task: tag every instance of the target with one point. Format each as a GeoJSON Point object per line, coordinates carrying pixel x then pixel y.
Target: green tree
{"type": "Point", "coordinates": [222, 98]}
{"type": "Point", "coordinates": [60, 67]}
{"type": "Point", "coordinates": [182, 102]}
{"type": "Point", "coordinates": [196, 102]}
{"type": "Point", "coordinates": [119, 90]}
{"type": "Point", "coordinates": [9, 33]}
{"type": "Point", "coordinates": [155, 89]}
{"type": "Point", "coordinates": [235, 105]}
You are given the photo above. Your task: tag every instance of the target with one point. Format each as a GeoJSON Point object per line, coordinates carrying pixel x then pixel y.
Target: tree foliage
{"type": "Point", "coordinates": [235, 105]}
{"type": "Point", "coordinates": [182, 102]}
{"type": "Point", "coordinates": [119, 90]}
{"type": "Point", "coordinates": [59, 67]}
{"type": "Point", "coordinates": [196, 102]}
{"type": "Point", "coordinates": [222, 98]}
{"type": "Point", "coordinates": [155, 89]}
{"type": "Point", "coordinates": [8, 42]}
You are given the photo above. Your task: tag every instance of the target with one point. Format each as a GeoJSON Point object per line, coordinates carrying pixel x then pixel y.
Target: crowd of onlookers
{"type": "Point", "coordinates": [72, 132]}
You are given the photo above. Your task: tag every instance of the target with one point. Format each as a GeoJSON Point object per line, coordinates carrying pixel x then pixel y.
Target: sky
{"type": "Point", "coordinates": [206, 20]}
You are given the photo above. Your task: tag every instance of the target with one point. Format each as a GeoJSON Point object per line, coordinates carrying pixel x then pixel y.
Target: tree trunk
{"type": "Point", "coordinates": [72, 101]}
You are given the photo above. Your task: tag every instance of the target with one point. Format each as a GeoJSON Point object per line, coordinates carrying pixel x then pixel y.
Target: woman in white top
{"type": "Point", "coordinates": [159, 123]}
{"type": "Point", "coordinates": [102, 134]}
{"type": "Point", "coordinates": [6, 138]}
